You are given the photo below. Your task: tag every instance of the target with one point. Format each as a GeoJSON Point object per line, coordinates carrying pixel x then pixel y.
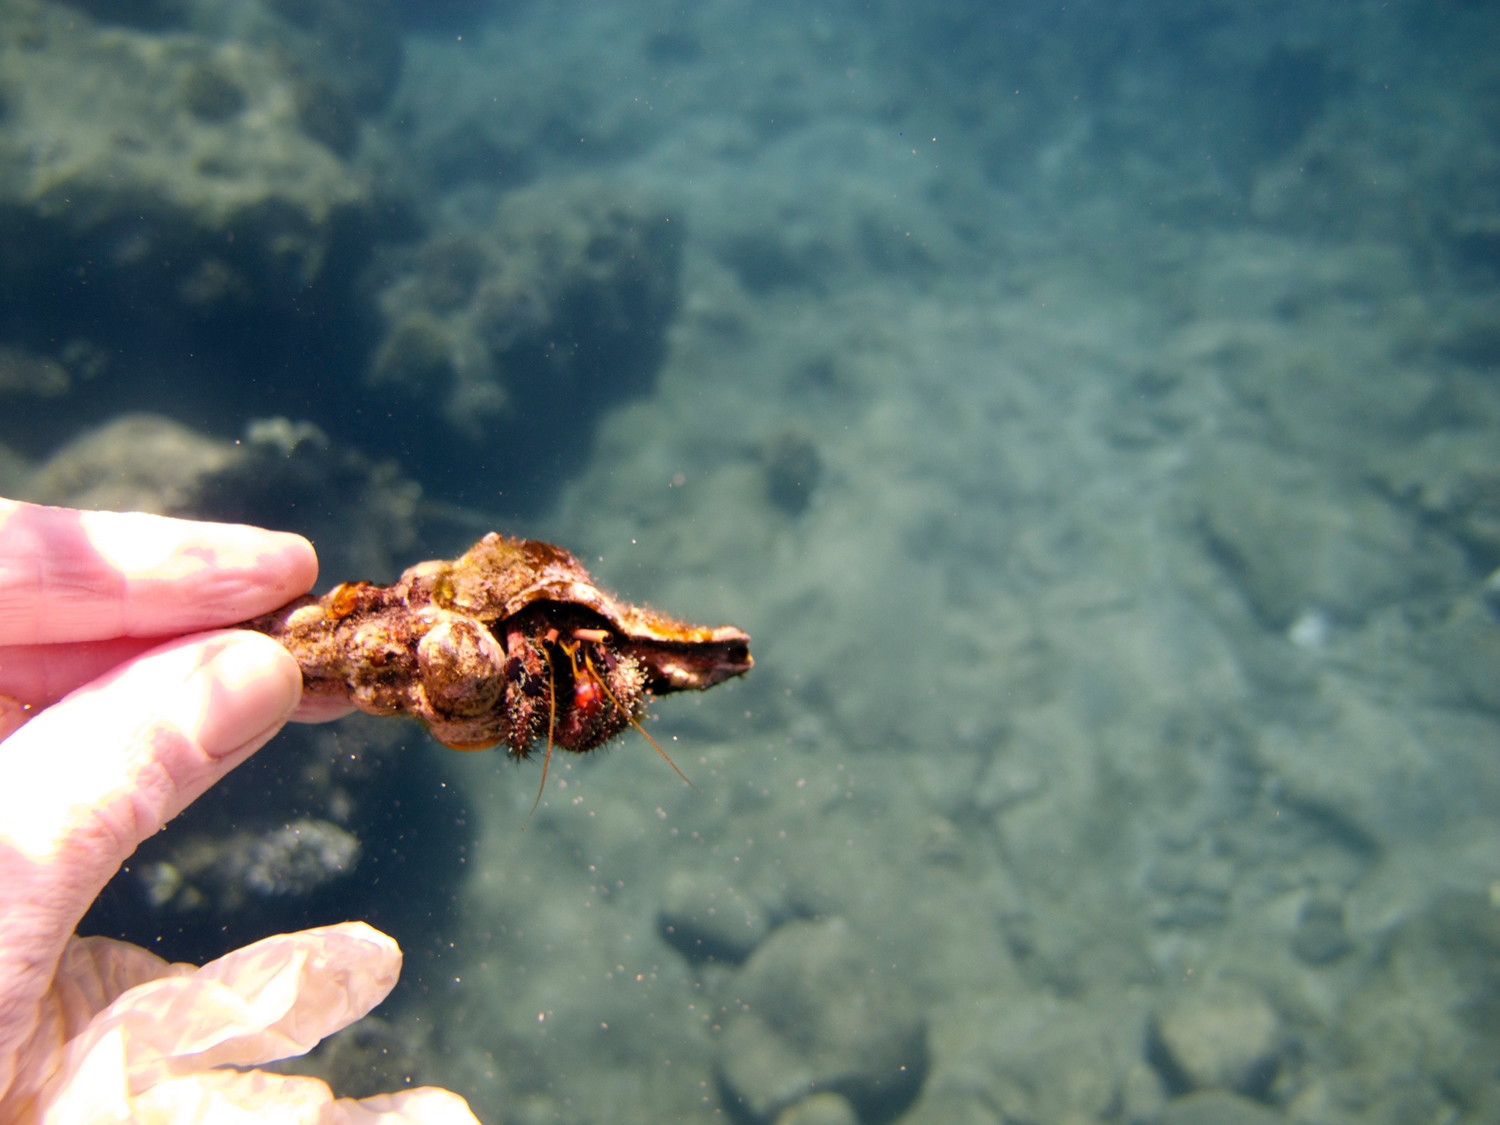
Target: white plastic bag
{"type": "Point", "coordinates": [142, 1041]}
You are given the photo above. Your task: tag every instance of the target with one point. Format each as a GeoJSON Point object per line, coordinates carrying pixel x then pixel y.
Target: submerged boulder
{"type": "Point", "coordinates": [555, 308]}
{"type": "Point", "coordinates": [820, 1012]}
{"type": "Point", "coordinates": [1225, 1036]}
{"type": "Point", "coordinates": [171, 197]}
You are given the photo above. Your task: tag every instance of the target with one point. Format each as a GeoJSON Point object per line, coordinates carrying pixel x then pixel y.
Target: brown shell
{"type": "Point", "coordinates": [510, 643]}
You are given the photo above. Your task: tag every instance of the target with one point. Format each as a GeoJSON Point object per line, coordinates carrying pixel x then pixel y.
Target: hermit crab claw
{"type": "Point", "coordinates": [510, 644]}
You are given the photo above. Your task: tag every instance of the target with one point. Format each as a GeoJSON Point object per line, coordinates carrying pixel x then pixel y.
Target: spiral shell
{"type": "Point", "coordinates": [511, 643]}
{"type": "Point", "coordinates": [463, 667]}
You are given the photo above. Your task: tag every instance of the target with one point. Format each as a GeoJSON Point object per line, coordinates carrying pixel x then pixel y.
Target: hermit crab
{"type": "Point", "coordinates": [510, 644]}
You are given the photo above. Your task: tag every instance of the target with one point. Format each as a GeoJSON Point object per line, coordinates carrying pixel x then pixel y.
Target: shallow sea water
{"type": "Point", "coordinates": [1092, 413]}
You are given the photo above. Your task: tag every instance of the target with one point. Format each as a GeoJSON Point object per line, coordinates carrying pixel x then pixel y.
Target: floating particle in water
{"type": "Point", "coordinates": [1310, 630]}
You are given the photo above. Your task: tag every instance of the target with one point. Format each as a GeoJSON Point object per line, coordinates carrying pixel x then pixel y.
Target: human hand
{"type": "Point", "coordinates": [113, 721]}
{"type": "Point", "coordinates": [121, 731]}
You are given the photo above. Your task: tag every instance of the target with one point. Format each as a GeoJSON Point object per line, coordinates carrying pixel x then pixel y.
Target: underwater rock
{"type": "Point", "coordinates": [14, 472]}
{"type": "Point", "coordinates": [224, 873]}
{"type": "Point", "coordinates": [1290, 88]}
{"type": "Point", "coordinates": [1320, 937]}
{"type": "Point", "coordinates": [1190, 891]}
{"type": "Point", "coordinates": [210, 93]}
{"type": "Point", "coordinates": [24, 372]}
{"type": "Point", "coordinates": [1379, 146]}
{"type": "Point", "coordinates": [1215, 1107]}
{"type": "Point", "coordinates": [820, 1012]}
{"type": "Point", "coordinates": [339, 820]}
{"type": "Point", "coordinates": [351, 46]}
{"type": "Point", "coordinates": [1449, 955]}
{"type": "Point", "coordinates": [298, 858]}
{"type": "Point", "coordinates": [157, 181]}
{"type": "Point", "coordinates": [820, 1109]}
{"type": "Point", "coordinates": [954, 1107]}
{"type": "Point", "coordinates": [136, 13]}
{"type": "Point", "coordinates": [155, 130]}
{"type": "Point", "coordinates": [793, 470]}
{"type": "Point", "coordinates": [556, 308]}
{"type": "Point", "coordinates": [1068, 1070]}
{"type": "Point", "coordinates": [362, 515]}
{"type": "Point", "coordinates": [705, 918]}
{"type": "Point", "coordinates": [1030, 1056]}
{"type": "Point", "coordinates": [367, 1057]}
{"type": "Point", "coordinates": [137, 463]}
{"type": "Point", "coordinates": [1427, 1017]}
{"type": "Point", "coordinates": [1285, 327]}
{"type": "Point", "coordinates": [326, 116]}
{"type": "Point", "coordinates": [1372, 776]}
{"type": "Point", "coordinates": [1463, 648]}
{"type": "Point", "coordinates": [1142, 1095]}
{"type": "Point", "coordinates": [1292, 539]}
{"type": "Point", "coordinates": [1219, 1036]}
{"type": "Point", "coordinates": [1453, 480]}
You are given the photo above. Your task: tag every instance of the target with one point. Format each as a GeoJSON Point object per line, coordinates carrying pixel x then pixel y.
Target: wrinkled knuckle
{"type": "Point", "coordinates": [167, 777]}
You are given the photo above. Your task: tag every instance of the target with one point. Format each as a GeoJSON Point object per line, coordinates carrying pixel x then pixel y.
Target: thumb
{"type": "Point", "coordinates": [91, 777]}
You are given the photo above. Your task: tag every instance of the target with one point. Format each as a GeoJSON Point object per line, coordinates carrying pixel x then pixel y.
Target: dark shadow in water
{"type": "Point", "coordinates": [414, 828]}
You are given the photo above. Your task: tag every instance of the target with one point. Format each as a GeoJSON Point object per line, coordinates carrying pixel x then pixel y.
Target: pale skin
{"type": "Point", "coordinates": [123, 697]}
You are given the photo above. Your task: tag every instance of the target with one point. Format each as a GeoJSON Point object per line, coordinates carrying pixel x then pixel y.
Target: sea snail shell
{"type": "Point", "coordinates": [463, 667]}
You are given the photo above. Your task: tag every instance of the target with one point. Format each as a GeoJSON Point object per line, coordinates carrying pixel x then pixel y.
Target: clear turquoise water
{"type": "Point", "coordinates": [1089, 410]}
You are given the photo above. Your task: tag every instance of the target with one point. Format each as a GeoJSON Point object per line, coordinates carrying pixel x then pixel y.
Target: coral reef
{"type": "Point", "coordinates": [220, 874]}
{"type": "Point", "coordinates": [166, 187]}
{"type": "Point", "coordinates": [363, 515]}
{"type": "Point", "coordinates": [554, 309]}
{"type": "Point", "coordinates": [194, 187]}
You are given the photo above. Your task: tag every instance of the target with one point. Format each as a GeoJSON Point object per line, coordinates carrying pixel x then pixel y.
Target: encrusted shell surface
{"type": "Point", "coordinates": [510, 643]}
{"type": "Point", "coordinates": [463, 667]}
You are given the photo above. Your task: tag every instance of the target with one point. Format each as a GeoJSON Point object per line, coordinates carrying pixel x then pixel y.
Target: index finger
{"type": "Point", "coordinates": [67, 575]}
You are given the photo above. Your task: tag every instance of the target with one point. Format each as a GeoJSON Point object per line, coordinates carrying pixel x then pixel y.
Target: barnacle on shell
{"type": "Point", "coordinates": [511, 643]}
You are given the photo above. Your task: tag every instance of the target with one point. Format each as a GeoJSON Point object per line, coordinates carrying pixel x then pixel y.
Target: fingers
{"type": "Point", "coordinates": [113, 762]}
{"type": "Point", "coordinates": [77, 576]}
{"type": "Point", "coordinates": [33, 677]}
{"type": "Point", "coordinates": [87, 780]}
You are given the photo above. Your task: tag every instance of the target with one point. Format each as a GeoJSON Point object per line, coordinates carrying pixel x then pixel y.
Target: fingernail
{"type": "Point", "coordinates": [245, 691]}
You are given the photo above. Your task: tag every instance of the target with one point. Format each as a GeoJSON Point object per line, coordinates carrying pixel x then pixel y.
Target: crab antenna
{"type": "Point", "coordinates": [551, 722]}
{"type": "Point", "coordinates": [598, 679]}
